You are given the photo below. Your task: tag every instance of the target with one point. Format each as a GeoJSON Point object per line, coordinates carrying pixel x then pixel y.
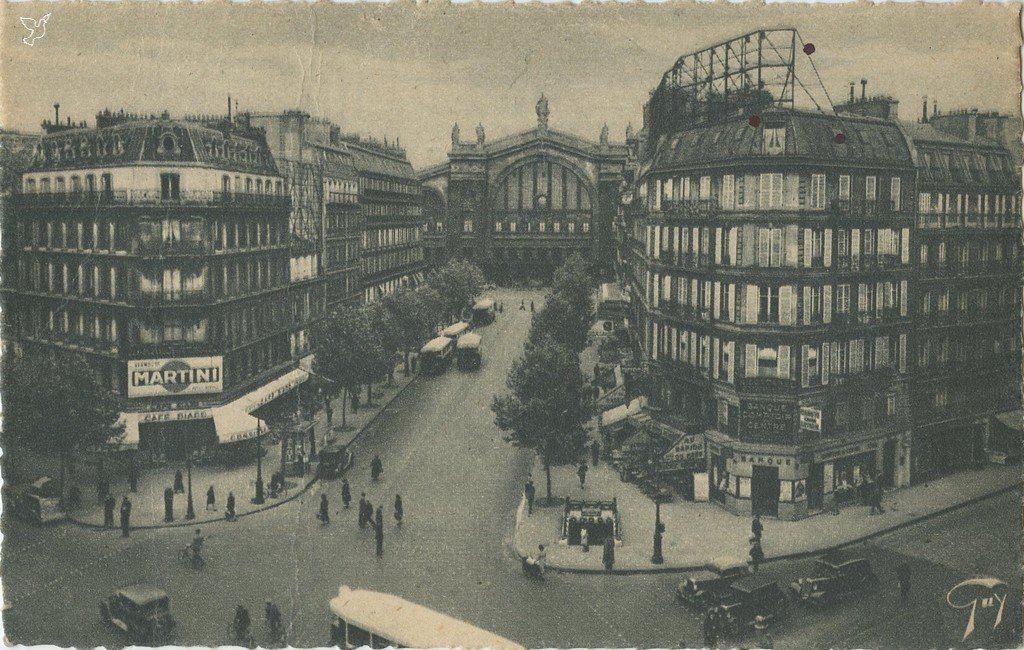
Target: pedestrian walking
{"type": "Point", "coordinates": [376, 468]}
{"type": "Point", "coordinates": [330, 413]}
{"type": "Point", "coordinates": [522, 305]}
{"type": "Point", "coordinates": [399, 511]}
{"type": "Point", "coordinates": [230, 514]}
{"type": "Point", "coordinates": [864, 491]}
{"type": "Point", "coordinates": [168, 505]}
{"type": "Point", "coordinates": [709, 625]}
{"type": "Point", "coordinates": [608, 554]}
{"type": "Point", "coordinates": [108, 511]}
{"type": "Point", "coordinates": [595, 452]}
{"type": "Point", "coordinates": [756, 554]}
{"type": "Point", "coordinates": [876, 498]}
{"type": "Point", "coordinates": [764, 640]}
{"type": "Point", "coordinates": [211, 499]}
{"type": "Point", "coordinates": [362, 510]}
{"type": "Point", "coordinates": [530, 491]}
{"type": "Point", "coordinates": [903, 576]}
{"type": "Point", "coordinates": [585, 539]}
{"type": "Point", "coordinates": [179, 483]}
{"type": "Point", "coordinates": [581, 471]}
{"type": "Point", "coordinates": [126, 515]}
{"type": "Point", "coordinates": [756, 528]}
{"type": "Point", "coordinates": [346, 493]}
{"type": "Point", "coordinates": [379, 536]}
{"type": "Point", "coordinates": [324, 515]}
{"type": "Point", "coordinates": [531, 307]}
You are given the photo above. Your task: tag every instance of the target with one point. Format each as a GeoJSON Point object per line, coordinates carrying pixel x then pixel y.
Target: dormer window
{"type": "Point", "coordinates": [168, 144]}
{"type": "Point", "coordinates": [774, 140]}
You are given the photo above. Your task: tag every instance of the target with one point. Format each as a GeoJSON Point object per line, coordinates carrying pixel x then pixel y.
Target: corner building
{"type": "Point", "coordinates": [159, 249]}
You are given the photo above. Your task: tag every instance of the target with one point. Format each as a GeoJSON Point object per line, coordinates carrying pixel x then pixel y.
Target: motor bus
{"type": "Point", "coordinates": [483, 312]}
{"type": "Point", "coordinates": [378, 620]}
{"type": "Point", "coordinates": [455, 330]}
{"type": "Point", "coordinates": [436, 355]}
{"type": "Point", "coordinates": [467, 352]}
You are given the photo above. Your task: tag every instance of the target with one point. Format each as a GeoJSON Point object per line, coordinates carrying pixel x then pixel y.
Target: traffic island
{"type": "Point", "coordinates": [695, 533]}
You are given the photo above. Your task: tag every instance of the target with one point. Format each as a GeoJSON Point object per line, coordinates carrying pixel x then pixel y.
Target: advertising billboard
{"type": "Point", "coordinates": [181, 376]}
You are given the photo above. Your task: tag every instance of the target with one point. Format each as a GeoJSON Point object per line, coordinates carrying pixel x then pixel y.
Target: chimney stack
{"type": "Point", "coordinates": [229, 108]}
{"type": "Point", "coordinates": [924, 110]}
{"type": "Point", "coordinates": [863, 89]}
{"type": "Point", "coordinates": [56, 114]}
{"type": "Point", "coordinates": [935, 107]}
{"type": "Point", "coordinates": [852, 84]}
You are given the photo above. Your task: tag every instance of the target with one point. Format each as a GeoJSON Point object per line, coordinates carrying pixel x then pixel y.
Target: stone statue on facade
{"type": "Point", "coordinates": [629, 132]}
{"type": "Point", "coordinates": [542, 112]}
{"type": "Point", "coordinates": [455, 135]}
{"type": "Point", "coordinates": [480, 135]}
{"type": "Point", "coordinates": [604, 134]}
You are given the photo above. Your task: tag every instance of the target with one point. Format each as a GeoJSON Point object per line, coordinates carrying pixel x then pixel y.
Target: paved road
{"type": "Point", "coordinates": [460, 483]}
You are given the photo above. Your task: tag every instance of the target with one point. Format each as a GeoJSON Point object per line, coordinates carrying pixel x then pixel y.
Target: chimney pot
{"type": "Point", "coordinates": [863, 89]}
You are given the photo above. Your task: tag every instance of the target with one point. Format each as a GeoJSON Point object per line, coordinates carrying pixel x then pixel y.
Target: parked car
{"type": "Point", "coordinates": [705, 588]}
{"type": "Point", "coordinates": [38, 502]}
{"type": "Point", "coordinates": [335, 458]}
{"type": "Point", "coordinates": [749, 598]}
{"type": "Point", "coordinates": [142, 612]}
{"type": "Point", "coordinates": [835, 575]}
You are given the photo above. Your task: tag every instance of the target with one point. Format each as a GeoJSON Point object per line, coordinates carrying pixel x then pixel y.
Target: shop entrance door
{"type": "Point", "coordinates": [764, 491]}
{"type": "Point", "coordinates": [889, 463]}
{"type": "Point", "coordinates": [816, 487]}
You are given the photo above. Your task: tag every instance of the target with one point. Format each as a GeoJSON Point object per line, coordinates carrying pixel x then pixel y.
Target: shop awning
{"type": "Point", "coordinates": [234, 425]}
{"type": "Point", "coordinates": [614, 416]}
{"type": "Point", "coordinates": [271, 391]}
{"type": "Point", "coordinates": [1012, 419]}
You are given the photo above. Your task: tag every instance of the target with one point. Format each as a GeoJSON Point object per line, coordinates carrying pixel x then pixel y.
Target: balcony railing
{"type": "Point", "coordinates": [190, 297]}
{"type": "Point", "coordinates": [865, 209]}
{"type": "Point", "coordinates": [159, 247]}
{"type": "Point", "coordinates": [148, 197]}
{"type": "Point", "coordinates": [700, 209]}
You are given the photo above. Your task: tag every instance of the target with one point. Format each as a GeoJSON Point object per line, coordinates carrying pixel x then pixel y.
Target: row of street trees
{"type": "Point", "coordinates": [355, 346]}
{"type": "Point", "coordinates": [548, 401]}
{"type": "Point", "coordinates": [55, 404]}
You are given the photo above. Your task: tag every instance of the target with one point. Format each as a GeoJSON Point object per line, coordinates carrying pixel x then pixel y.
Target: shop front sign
{"type": "Point", "coordinates": [174, 416]}
{"type": "Point", "coordinates": [179, 376]}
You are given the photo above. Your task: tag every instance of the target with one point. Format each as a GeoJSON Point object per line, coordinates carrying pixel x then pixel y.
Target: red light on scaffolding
{"type": "Point", "coordinates": [754, 121]}
{"type": "Point", "coordinates": [840, 138]}
{"type": "Point", "coordinates": [809, 48]}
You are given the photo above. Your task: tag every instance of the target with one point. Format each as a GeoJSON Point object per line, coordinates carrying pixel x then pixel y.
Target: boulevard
{"type": "Point", "coordinates": [460, 483]}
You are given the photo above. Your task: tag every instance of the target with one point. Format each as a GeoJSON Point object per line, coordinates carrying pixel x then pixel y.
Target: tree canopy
{"type": "Point", "coordinates": [458, 283]}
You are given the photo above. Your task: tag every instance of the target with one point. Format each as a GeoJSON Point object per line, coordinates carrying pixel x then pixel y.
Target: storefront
{"type": "Point", "coordinates": [948, 448]}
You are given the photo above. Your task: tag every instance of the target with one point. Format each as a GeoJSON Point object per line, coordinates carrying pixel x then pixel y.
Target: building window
{"type": "Point", "coordinates": [170, 187]}
{"type": "Point", "coordinates": [767, 362]}
{"type": "Point", "coordinates": [467, 225]}
{"type": "Point", "coordinates": [871, 188]}
{"type": "Point", "coordinates": [894, 193]}
{"type": "Point", "coordinates": [769, 247]}
{"type": "Point", "coordinates": [844, 187]}
{"type": "Point", "coordinates": [817, 191]}
{"type": "Point", "coordinates": [771, 191]}
{"type": "Point", "coordinates": [497, 226]}
{"type": "Point", "coordinates": [768, 311]}
{"type": "Point", "coordinates": [728, 197]}
{"type": "Point", "coordinates": [775, 140]}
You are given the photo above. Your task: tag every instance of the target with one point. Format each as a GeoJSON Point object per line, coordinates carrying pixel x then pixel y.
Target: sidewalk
{"type": "Point", "coordinates": [148, 501]}
{"type": "Point", "coordinates": [697, 532]}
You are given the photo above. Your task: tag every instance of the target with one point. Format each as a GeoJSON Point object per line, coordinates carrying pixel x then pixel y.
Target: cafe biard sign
{"type": "Point", "coordinates": [180, 376]}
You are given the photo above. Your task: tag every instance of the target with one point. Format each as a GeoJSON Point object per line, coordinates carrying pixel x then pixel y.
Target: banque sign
{"type": "Point", "coordinates": [181, 376]}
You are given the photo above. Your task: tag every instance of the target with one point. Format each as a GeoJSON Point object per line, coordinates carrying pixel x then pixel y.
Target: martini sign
{"type": "Point", "coordinates": [182, 376]}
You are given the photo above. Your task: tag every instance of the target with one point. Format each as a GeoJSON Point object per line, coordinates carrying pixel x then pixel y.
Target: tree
{"type": "Point", "coordinates": [414, 313]}
{"type": "Point", "coordinates": [389, 336]}
{"type": "Point", "coordinates": [346, 351]}
{"type": "Point", "coordinates": [57, 404]}
{"type": "Point", "coordinates": [458, 283]}
{"type": "Point", "coordinates": [574, 282]}
{"type": "Point", "coordinates": [547, 404]}
{"type": "Point", "coordinates": [561, 321]}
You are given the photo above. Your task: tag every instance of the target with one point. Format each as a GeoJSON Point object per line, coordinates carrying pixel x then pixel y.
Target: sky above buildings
{"type": "Point", "coordinates": [409, 72]}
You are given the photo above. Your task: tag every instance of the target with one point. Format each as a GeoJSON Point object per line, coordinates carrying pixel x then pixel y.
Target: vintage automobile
{"type": "Point", "coordinates": [835, 575]}
{"type": "Point", "coordinates": [142, 612]}
{"type": "Point", "coordinates": [749, 598]}
{"type": "Point", "coordinates": [705, 588]}
{"type": "Point", "coordinates": [335, 458]}
{"type": "Point", "coordinates": [38, 502]}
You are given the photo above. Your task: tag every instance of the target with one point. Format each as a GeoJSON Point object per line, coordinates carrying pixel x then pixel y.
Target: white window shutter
{"type": "Point", "coordinates": [792, 305]}
{"type": "Point", "coordinates": [804, 370]}
{"type": "Point", "coordinates": [714, 358]}
{"type": "Point", "coordinates": [823, 363]}
{"type": "Point", "coordinates": [733, 241]}
{"type": "Point", "coordinates": [808, 247]}
{"type": "Point", "coordinates": [730, 304]}
{"type": "Point", "coordinates": [718, 245]}
{"type": "Point", "coordinates": [784, 362]}
{"type": "Point", "coordinates": [750, 359]}
{"type": "Point", "coordinates": [835, 357]}
{"type": "Point", "coordinates": [792, 246]}
{"type": "Point", "coordinates": [657, 290]}
{"type": "Point", "coordinates": [751, 305]}
{"type": "Point", "coordinates": [654, 340]}
{"type": "Point", "coordinates": [879, 298]}
{"type": "Point", "coordinates": [764, 191]}
{"type": "Point", "coordinates": [826, 306]}
{"type": "Point", "coordinates": [692, 345]}
{"type": "Point", "coordinates": [855, 243]}
{"type": "Point", "coordinates": [903, 297]}
{"type": "Point", "coordinates": [828, 248]}
{"type": "Point", "coordinates": [905, 245]}
{"type": "Point", "coordinates": [785, 297]}
{"type": "Point", "coordinates": [903, 353]}
{"type": "Point", "coordinates": [729, 367]}
{"type": "Point", "coordinates": [862, 298]}
{"type": "Point", "coordinates": [716, 300]}
{"type": "Point", "coordinates": [807, 305]}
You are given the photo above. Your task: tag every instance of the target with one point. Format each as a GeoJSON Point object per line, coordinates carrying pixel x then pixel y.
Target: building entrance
{"type": "Point", "coordinates": [764, 491]}
{"type": "Point", "coordinates": [816, 487]}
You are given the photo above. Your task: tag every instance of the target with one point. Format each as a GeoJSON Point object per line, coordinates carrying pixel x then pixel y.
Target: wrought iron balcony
{"type": "Point", "coordinates": [205, 198]}
{"type": "Point", "coordinates": [865, 209]}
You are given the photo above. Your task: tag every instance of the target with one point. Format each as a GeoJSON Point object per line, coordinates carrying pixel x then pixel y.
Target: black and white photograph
{"type": "Point", "coordinates": [511, 325]}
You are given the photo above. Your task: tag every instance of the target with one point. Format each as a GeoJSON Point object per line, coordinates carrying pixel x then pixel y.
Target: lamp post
{"type": "Point", "coordinates": [190, 512]}
{"type": "Point", "coordinates": [259, 465]}
{"type": "Point", "coordinates": [656, 556]}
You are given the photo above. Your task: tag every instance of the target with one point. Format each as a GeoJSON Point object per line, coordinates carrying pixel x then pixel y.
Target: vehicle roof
{"type": "Point", "coordinates": [468, 341]}
{"type": "Point", "coordinates": [485, 303]}
{"type": "Point", "coordinates": [839, 558]}
{"type": "Point", "coordinates": [142, 594]}
{"type": "Point", "coordinates": [436, 345]}
{"type": "Point", "coordinates": [753, 583]}
{"type": "Point", "coordinates": [409, 624]}
{"type": "Point", "coordinates": [455, 328]}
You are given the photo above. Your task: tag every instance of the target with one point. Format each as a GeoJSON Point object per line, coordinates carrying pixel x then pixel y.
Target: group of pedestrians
{"type": "Point", "coordinates": [109, 503]}
{"type": "Point", "coordinates": [367, 516]}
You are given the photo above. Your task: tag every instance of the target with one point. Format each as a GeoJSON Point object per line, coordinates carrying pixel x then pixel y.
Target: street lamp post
{"type": "Point", "coordinates": [190, 512]}
{"type": "Point", "coordinates": [656, 556]}
{"type": "Point", "coordinates": [259, 465]}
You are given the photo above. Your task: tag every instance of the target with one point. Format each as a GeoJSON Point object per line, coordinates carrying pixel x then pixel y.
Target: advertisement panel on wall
{"type": "Point", "coordinates": [180, 376]}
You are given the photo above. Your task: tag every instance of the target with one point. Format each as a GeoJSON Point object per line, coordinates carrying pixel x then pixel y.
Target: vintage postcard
{"type": "Point", "coordinates": [683, 325]}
